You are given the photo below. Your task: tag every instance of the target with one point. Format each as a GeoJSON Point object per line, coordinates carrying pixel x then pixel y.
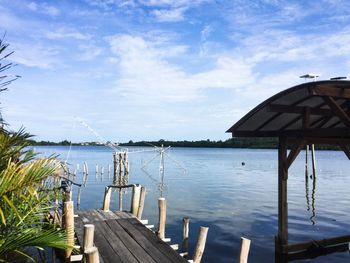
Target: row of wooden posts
{"type": "Point", "coordinates": [91, 253]}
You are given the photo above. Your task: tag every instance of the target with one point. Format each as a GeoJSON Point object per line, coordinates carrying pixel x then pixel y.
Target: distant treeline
{"type": "Point", "coordinates": [255, 143]}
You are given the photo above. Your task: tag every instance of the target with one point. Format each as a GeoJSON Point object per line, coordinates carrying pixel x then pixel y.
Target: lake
{"type": "Point", "coordinates": [232, 199]}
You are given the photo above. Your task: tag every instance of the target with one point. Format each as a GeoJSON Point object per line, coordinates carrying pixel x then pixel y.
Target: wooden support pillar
{"type": "Point", "coordinates": [313, 160]}
{"type": "Point", "coordinates": [199, 250]}
{"type": "Point", "coordinates": [282, 238]}
{"type": "Point", "coordinates": [107, 198]}
{"type": "Point", "coordinates": [68, 219]}
{"type": "Point", "coordinates": [141, 203]}
{"type": "Point", "coordinates": [88, 242]}
{"type": "Point", "coordinates": [306, 161]}
{"type": "Point", "coordinates": [162, 217]}
{"type": "Point", "coordinates": [244, 252]}
{"type": "Point", "coordinates": [135, 200]}
{"type": "Point", "coordinates": [185, 235]}
{"type": "Point", "coordinates": [92, 256]}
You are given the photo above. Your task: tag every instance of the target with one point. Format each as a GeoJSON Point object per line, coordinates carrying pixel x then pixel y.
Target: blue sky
{"type": "Point", "coordinates": [161, 69]}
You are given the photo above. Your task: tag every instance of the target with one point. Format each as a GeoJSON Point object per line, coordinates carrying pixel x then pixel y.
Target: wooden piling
{"type": "Point", "coordinates": [313, 160]}
{"type": "Point", "coordinates": [306, 161]}
{"type": "Point", "coordinates": [199, 250]}
{"type": "Point", "coordinates": [107, 198]}
{"type": "Point", "coordinates": [185, 234]}
{"type": "Point", "coordinates": [244, 252]}
{"type": "Point", "coordinates": [78, 198]}
{"type": "Point", "coordinates": [68, 219]}
{"type": "Point", "coordinates": [141, 203]}
{"type": "Point", "coordinates": [109, 171]}
{"type": "Point", "coordinates": [162, 217]}
{"type": "Point", "coordinates": [88, 242]}
{"type": "Point", "coordinates": [135, 200]}
{"type": "Point", "coordinates": [92, 256]}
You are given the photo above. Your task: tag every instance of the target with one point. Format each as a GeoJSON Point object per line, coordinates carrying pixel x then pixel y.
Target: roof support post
{"type": "Point", "coordinates": [282, 238]}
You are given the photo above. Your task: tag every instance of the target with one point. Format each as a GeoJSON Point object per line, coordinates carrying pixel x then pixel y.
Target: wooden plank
{"type": "Point", "coordinates": [139, 253]}
{"type": "Point", "coordinates": [114, 241]}
{"type": "Point", "coordinates": [123, 214]}
{"type": "Point", "coordinates": [108, 214]}
{"type": "Point", "coordinates": [153, 239]}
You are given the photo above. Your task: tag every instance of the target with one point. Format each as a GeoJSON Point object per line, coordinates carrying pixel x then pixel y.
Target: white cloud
{"type": "Point", "coordinates": [43, 8]}
{"type": "Point", "coordinates": [206, 31]}
{"type": "Point", "coordinates": [89, 52]}
{"type": "Point", "coordinates": [63, 33]}
{"type": "Point", "coordinates": [145, 73]}
{"type": "Point", "coordinates": [169, 15]}
{"type": "Point", "coordinates": [38, 56]}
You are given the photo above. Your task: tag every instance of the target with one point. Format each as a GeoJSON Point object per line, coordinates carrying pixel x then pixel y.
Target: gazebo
{"type": "Point", "coordinates": [311, 113]}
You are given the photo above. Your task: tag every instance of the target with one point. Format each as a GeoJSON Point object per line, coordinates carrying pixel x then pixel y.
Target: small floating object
{"type": "Point", "coordinates": [243, 163]}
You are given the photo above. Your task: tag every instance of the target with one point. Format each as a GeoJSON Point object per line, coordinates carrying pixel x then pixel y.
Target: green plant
{"type": "Point", "coordinates": [26, 191]}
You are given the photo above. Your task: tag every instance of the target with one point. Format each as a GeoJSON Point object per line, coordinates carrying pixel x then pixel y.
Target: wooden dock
{"type": "Point", "coordinates": [121, 237]}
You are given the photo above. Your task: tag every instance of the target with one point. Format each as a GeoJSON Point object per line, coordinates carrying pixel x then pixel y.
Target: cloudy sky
{"type": "Point", "coordinates": [161, 69]}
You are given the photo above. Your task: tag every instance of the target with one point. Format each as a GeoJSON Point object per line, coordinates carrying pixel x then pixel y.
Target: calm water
{"type": "Point", "coordinates": [233, 200]}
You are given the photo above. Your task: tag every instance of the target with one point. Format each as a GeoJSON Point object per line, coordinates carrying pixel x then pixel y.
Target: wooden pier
{"type": "Point", "coordinates": [121, 237]}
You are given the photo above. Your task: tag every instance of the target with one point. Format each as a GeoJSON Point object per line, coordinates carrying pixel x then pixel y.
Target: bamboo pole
{"type": "Point", "coordinates": [88, 242]}
{"type": "Point", "coordinates": [92, 255]}
{"type": "Point", "coordinates": [162, 217]}
{"type": "Point", "coordinates": [141, 203]}
{"type": "Point", "coordinates": [244, 252]}
{"type": "Point", "coordinates": [107, 198]}
{"type": "Point", "coordinates": [199, 250]}
{"type": "Point", "coordinates": [68, 209]}
{"type": "Point", "coordinates": [135, 200]}
{"type": "Point", "coordinates": [185, 234]}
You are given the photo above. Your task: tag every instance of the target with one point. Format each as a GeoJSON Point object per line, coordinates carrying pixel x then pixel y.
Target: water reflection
{"type": "Point", "coordinates": [313, 178]}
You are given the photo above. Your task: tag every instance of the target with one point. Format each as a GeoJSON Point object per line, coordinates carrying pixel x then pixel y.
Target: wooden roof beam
{"type": "Point", "coordinates": [331, 91]}
{"type": "Point", "coordinates": [337, 110]}
{"type": "Point", "coordinates": [294, 152]}
{"type": "Point", "coordinates": [298, 110]}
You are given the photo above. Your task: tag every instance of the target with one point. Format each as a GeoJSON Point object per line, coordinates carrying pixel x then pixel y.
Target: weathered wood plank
{"type": "Point", "coordinates": [114, 241]}
{"type": "Point", "coordinates": [123, 214]}
{"type": "Point", "coordinates": [139, 253]}
{"type": "Point", "coordinates": [106, 251]}
{"type": "Point", "coordinates": [151, 238]}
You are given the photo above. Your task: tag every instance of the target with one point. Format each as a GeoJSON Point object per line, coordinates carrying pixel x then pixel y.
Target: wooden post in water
{"type": "Point", "coordinates": [141, 202]}
{"type": "Point", "coordinates": [162, 217]}
{"type": "Point", "coordinates": [313, 160]}
{"type": "Point", "coordinates": [199, 250]}
{"type": "Point", "coordinates": [88, 242]}
{"type": "Point", "coordinates": [78, 198]}
{"type": "Point", "coordinates": [135, 199]}
{"type": "Point", "coordinates": [120, 183]}
{"type": "Point", "coordinates": [109, 171]}
{"type": "Point", "coordinates": [86, 168]}
{"type": "Point", "coordinates": [282, 238]}
{"type": "Point", "coordinates": [306, 161]}
{"type": "Point", "coordinates": [92, 256]}
{"type": "Point", "coordinates": [96, 171]}
{"type": "Point", "coordinates": [107, 198]}
{"type": "Point", "coordinates": [185, 235]}
{"type": "Point", "coordinates": [74, 174]}
{"type": "Point", "coordinates": [68, 219]}
{"type": "Point", "coordinates": [244, 252]}
{"type": "Point", "coordinates": [102, 170]}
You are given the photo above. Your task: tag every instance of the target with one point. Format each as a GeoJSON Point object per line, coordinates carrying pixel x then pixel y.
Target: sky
{"type": "Point", "coordinates": [114, 70]}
